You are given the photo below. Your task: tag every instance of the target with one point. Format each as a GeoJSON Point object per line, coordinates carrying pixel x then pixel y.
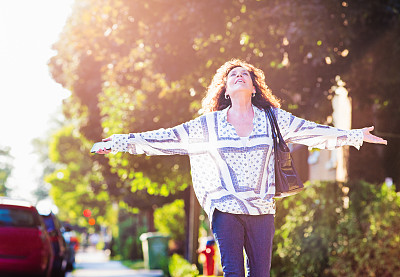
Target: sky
{"type": "Point", "coordinates": [30, 98]}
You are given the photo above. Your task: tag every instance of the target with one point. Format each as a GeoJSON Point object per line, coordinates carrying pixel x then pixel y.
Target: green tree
{"type": "Point", "coordinates": [41, 149]}
{"type": "Point", "coordinates": [76, 183]}
{"type": "Point", "coordinates": [6, 168]}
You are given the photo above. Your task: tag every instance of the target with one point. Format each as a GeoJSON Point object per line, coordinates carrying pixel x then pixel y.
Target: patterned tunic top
{"type": "Point", "coordinates": [230, 174]}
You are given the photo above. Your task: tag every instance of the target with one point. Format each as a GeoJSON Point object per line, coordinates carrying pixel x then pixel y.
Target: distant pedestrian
{"type": "Point", "coordinates": [232, 160]}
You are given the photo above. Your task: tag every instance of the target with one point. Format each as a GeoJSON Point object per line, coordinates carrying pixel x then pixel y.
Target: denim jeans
{"type": "Point", "coordinates": [253, 233]}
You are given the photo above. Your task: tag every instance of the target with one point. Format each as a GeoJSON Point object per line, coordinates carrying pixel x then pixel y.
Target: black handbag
{"type": "Point", "coordinates": [287, 181]}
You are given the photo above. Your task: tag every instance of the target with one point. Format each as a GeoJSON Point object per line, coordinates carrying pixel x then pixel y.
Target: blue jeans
{"type": "Point", "coordinates": [253, 233]}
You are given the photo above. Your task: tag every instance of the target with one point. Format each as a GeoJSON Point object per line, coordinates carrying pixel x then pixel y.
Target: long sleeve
{"type": "Point", "coordinates": [301, 131]}
{"type": "Point", "coordinates": [228, 175]}
{"type": "Point", "coordinates": [169, 141]}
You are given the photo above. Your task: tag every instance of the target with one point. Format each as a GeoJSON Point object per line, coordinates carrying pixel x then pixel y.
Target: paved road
{"type": "Point", "coordinates": [93, 263]}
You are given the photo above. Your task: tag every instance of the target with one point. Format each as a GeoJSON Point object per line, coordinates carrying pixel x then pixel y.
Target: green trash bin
{"type": "Point", "coordinates": [155, 250]}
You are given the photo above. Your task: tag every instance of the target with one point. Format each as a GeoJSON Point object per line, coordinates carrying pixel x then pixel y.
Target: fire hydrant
{"type": "Point", "coordinates": [209, 264]}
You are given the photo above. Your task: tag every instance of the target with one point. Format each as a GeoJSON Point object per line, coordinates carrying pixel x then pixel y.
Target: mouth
{"type": "Point", "coordinates": [239, 81]}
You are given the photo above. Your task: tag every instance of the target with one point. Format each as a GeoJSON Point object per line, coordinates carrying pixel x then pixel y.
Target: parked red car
{"type": "Point", "coordinates": [72, 245]}
{"type": "Point", "coordinates": [58, 243]}
{"type": "Point", "coordinates": [25, 247]}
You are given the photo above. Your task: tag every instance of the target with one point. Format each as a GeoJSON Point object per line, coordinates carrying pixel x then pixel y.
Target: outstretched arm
{"type": "Point", "coordinates": [298, 130]}
{"type": "Point", "coordinates": [169, 141]}
{"type": "Point", "coordinates": [368, 137]}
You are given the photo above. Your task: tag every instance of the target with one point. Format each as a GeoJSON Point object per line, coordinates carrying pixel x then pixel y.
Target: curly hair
{"type": "Point", "coordinates": [215, 96]}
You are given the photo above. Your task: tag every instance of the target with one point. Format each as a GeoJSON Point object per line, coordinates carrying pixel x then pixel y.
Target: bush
{"type": "Point", "coordinates": [305, 231]}
{"type": "Point", "coordinates": [369, 235]}
{"type": "Point", "coordinates": [170, 220]}
{"type": "Point", "coordinates": [317, 235]}
{"type": "Point", "coordinates": [179, 267]}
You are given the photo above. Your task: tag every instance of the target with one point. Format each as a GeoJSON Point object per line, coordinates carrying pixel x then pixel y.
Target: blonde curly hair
{"type": "Point", "coordinates": [215, 96]}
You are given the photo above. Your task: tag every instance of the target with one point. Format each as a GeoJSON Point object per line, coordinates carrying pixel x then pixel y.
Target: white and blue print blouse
{"type": "Point", "coordinates": [228, 173]}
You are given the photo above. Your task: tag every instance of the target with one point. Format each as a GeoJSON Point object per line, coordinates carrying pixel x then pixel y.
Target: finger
{"type": "Point", "coordinates": [375, 139]}
{"type": "Point", "coordinates": [107, 139]}
{"type": "Point", "coordinates": [381, 140]}
{"type": "Point", "coordinates": [371, 128]}
{"type": "Point", "coordinates": [367, 130]}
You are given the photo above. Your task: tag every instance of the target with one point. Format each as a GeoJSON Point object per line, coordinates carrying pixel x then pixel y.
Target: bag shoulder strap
{"type": "Point", "coordinates": [276, 133]}
{"type": "Point", "coordinates": [272, 122]}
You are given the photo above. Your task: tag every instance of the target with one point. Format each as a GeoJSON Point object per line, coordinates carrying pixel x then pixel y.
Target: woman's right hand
{"type": "Point", "coordinates": [104, 151]}
{"type": "Point", "coordinates": [368, 137]}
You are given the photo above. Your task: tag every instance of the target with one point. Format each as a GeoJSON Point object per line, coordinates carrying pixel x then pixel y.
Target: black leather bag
{"type": "Point", "coordinates": [287, 181]}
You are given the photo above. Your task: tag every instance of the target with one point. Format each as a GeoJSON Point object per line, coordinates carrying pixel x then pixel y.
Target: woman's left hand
{"type": "Point", "coordinates": [368, 137]}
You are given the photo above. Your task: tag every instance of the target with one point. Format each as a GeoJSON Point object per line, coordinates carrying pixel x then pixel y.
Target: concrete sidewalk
{"type": "Point", "coordinates": [95, 263]}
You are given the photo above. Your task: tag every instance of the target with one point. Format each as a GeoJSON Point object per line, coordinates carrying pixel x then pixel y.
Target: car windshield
{"type": "Point", "coordinates": [10, 217]}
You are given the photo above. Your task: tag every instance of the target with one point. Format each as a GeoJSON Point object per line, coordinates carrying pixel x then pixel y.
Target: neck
{"type": "Point", "coordinates": [241, 105]}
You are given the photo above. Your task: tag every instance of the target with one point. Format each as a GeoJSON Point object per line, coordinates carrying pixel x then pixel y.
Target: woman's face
{"type": "Point", "coordinates": [239, 81]}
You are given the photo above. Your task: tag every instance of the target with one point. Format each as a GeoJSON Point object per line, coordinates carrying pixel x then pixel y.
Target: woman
{"type": "Point", "coordinates": [232, 160]}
